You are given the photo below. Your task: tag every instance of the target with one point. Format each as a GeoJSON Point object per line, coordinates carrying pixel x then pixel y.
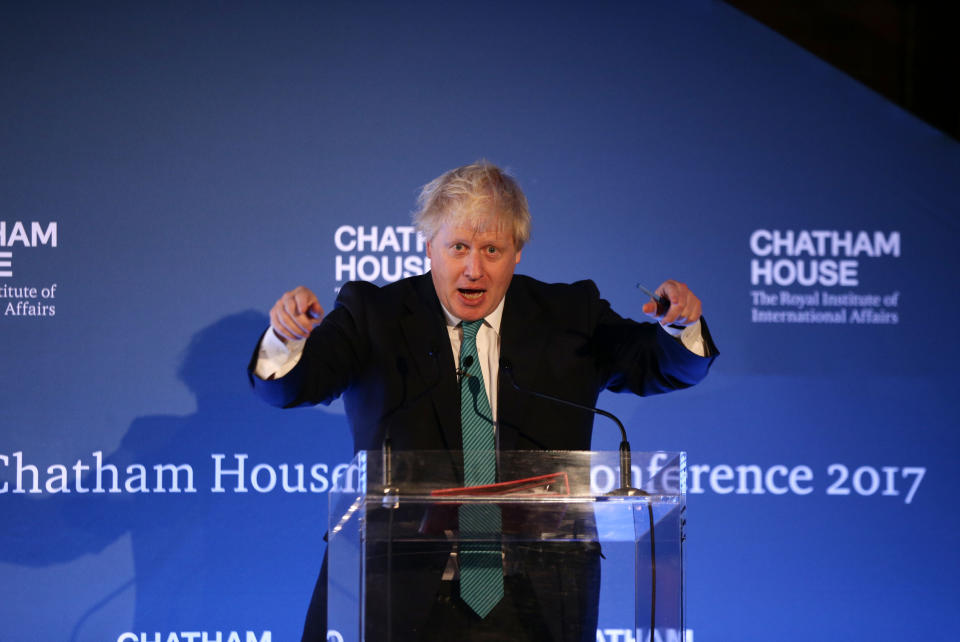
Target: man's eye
{"type": "Point", "coordinates": [491, 250]}
{"type": "Point", "coordinates": [458, 247]}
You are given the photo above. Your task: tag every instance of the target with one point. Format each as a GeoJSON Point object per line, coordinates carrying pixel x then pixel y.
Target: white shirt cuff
{"type": "Point", "coordinates": [690, 337]}
{"type": "Point", "coordinates": [276, 358]}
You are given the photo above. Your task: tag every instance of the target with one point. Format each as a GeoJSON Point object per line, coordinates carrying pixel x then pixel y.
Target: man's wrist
{"type": "Point", "coordinates": [276, 358]}
{"type": "Point", "coordinates": [690, 336]}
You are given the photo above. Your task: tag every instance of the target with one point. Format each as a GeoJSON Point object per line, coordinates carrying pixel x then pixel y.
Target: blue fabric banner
{"type": "Point", "coordinates": [168, 170]}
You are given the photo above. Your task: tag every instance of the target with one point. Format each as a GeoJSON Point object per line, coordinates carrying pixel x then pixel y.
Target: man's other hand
{"type": "Point", "coordinates": [295, 314]}
{"type": "Point", "coordinates": [684, 308]}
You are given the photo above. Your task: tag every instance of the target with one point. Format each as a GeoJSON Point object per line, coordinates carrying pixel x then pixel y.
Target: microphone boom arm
{"type": "Point", "coordinates": [625, 457]}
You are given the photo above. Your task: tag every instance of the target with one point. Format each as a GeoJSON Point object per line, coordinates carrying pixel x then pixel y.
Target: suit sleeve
{"type": "Point", "coordinates": [643, 358]}
{"type": "Point", "coordinates": [333, 357]}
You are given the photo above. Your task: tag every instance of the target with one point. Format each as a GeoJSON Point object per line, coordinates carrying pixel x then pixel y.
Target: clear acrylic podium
{"type": "Point", "coordinates": [573, 542]}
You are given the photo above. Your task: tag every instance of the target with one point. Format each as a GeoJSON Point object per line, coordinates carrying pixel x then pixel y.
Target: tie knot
{"type": "Point", "coordinates": [470, 328]}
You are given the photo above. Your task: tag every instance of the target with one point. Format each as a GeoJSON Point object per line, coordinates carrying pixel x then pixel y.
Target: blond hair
{"type": "Point", "coordinates": [474, 194]}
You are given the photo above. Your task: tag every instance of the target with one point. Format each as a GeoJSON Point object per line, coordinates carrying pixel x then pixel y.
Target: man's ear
{"type": "Point", "coordinates": [519, 252]}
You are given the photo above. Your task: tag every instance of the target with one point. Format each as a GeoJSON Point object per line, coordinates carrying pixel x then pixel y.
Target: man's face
{"type": "Point", "coordinates": [471, 270]}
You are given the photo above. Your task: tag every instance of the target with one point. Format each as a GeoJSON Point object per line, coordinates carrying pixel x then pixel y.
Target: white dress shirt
{"type": "Point", "coordinates": [488, 349]}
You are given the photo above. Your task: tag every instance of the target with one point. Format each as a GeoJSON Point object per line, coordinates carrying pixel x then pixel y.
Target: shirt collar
{"type": "Point", "coordinates": [493, 319]}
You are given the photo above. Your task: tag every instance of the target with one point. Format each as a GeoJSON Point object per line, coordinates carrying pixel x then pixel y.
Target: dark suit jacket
{"type": "Point", "coordinates": [387, 351]}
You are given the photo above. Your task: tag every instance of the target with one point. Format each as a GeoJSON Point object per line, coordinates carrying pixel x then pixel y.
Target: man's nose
{"type": "Point", "coordinates": [473, 267]}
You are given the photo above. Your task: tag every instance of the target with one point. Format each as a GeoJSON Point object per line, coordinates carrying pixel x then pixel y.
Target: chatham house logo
{"type": "Point", "coordinates": [816, 277]}
{"type": "Point", "coordinates": [379, 254]}
{"type": "Point", "coordinates": [17, 298]}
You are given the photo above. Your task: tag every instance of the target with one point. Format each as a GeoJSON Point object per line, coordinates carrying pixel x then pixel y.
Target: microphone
{"type": "Point", "coordinates": [625, 490]}
{"type": "Point", "coordinates": [462, 370]}
{"type": "Point", "coordinates": [625, 458]}
{"type": "Point", "coordinates": [389, 490]}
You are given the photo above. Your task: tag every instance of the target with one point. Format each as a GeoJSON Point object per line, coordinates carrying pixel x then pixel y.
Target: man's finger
{"type": "Point", "coordinates": [657, 306]}
{"type": "Point", "coordinates": [288, 317]}
{"type": "Point", "coordinates": [685, 307]}
{"type": "Point", "coordinates": [285, 326]}
{"type": "Point", "coordinates": [677, 306]}
{"type": "Point", "coordinates": [293, 317]}
{"type": "Point", "coordinates": [304, 299]}
{"type": "Point", "coordinates": [295, 314]}
{"type": "Point", "coordinates": [279, 330]}
{"type": "Point", "coordinates": [315, 312]}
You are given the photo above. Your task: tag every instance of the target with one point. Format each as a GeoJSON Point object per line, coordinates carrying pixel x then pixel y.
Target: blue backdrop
{"type": "Point", "coordinates": [168, 170]}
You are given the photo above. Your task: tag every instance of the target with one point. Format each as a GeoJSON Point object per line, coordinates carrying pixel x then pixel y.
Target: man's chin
{"type": "Point", "coordinates": [470, 312]}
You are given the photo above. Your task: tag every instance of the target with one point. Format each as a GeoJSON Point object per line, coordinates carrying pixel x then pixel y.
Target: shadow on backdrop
{"type": "Point", "coordinates": [203, 560]}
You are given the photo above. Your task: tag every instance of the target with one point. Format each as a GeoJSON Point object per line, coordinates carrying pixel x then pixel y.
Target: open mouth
{"type": "Point", "coordinates": [471, 295]}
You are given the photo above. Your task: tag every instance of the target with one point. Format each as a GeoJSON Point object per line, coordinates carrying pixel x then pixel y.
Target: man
{"type": "Point", "coordinates": [394, 354]}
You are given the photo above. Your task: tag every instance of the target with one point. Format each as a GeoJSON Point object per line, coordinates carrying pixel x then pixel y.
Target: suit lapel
{"type": "Point", "coordinates": [522, 341]}
{"type": "Point", "coordinates": [425, 331]}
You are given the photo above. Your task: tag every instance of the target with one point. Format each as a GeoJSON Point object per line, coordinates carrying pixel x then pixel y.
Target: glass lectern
{"type": "Point", "coordinates": [575, 544]}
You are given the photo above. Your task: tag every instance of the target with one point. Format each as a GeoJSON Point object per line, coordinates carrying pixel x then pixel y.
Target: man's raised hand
{"type": "Point", "coordinates": [684, 306]}
{"type": "Point", "coordinates": [295, 314]}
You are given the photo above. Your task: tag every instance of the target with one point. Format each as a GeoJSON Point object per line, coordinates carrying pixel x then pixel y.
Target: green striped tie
{"type": "Point", "coordinates": [481, 568]}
